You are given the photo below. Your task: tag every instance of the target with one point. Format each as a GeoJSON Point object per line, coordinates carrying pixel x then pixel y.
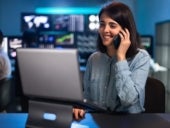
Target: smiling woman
{"type": "Point", "coordinates": [115, 77]}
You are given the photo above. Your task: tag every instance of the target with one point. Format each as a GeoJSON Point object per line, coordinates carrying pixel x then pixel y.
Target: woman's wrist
{"type": "Point", "coordinates": [120, 58]}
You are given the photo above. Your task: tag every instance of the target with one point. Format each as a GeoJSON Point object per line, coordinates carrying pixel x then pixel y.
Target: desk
{"type": "Point", "coordinates": [98, 120]}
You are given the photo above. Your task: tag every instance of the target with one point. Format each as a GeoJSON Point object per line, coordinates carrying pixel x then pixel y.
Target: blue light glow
{"type": "Point", "coordinates": [49, 116]}
{"type": "Point", "coordinates": [68, 10]}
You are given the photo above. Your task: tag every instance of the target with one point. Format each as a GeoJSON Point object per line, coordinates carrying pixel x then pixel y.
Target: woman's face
{"type": "Point", "coordinates": [108, 29]}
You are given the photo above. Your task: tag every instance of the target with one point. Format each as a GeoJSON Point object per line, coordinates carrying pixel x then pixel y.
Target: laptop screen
{"type": "Point", "coordinates": [50, 73]}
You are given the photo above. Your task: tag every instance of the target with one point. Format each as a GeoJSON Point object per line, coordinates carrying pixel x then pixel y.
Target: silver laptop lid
{"type": "Point", "coordinates": [50, 73]}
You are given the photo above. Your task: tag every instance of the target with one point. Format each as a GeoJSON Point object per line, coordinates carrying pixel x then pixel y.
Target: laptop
{"type": "Point", "coordinates": [53, 75]}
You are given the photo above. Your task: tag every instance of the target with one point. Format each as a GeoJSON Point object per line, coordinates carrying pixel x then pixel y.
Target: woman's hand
{"type": "Point", "coordinates": [124, 45]}
{"type": "Point", "coordinates": [78, 113]}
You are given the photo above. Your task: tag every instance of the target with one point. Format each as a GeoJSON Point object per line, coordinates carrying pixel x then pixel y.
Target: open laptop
{"type": "Point", "coordinates": [54, 75]}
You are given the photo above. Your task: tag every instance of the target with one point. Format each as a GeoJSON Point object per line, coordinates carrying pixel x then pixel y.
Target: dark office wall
{"type": "Point", "coordinates": [10, 10]}
{"type": "Point", "coordinates": [10, 14]}
{"type": "Point", "coordinates": [149, 12]}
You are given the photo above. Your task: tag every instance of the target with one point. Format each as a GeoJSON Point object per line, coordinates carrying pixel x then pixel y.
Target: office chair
{"type": "Point", "coordinates": [154, 96]}
{"type": "Point", "coordinates": [5, 93]}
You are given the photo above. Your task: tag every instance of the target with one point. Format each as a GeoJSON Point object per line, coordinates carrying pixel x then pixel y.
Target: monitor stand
{"type": "Point", "coordinates": [49, 115]}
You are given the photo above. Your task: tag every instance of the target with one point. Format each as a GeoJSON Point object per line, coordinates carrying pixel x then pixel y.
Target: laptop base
{"type": "Point", "coordinates": [49, 115]}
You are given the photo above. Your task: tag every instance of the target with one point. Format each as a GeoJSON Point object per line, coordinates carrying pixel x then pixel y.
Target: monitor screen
{"type": "Point", "coordinates": [65, 40]}
{"type": "Point", "coordinates": [38, 22]}
{"type": "Point", "coordinates": [71, 23]}
{"type": "Point", "coordinates": [14, 42]}
{"type": "Point", "coordinates": [92, 23]}
{"type": "Point", "coordinates": [147, 43]}
{"type": "Point", "coordinates": [59, 22]}
{"type": "Point", "coordinates": [46, 41]}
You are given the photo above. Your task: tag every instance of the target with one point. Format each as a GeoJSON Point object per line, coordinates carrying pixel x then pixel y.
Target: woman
{"type": "Point", "coordinates": [115, 76]}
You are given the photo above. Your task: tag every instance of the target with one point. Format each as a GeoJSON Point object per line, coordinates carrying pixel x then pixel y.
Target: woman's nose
{"type": "Point", "coordinates": [106, 28]}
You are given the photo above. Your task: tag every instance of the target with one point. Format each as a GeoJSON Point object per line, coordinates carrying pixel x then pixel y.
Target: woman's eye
{"type": "Point", "coordinates": [101, 24]}
{"type": "Point", "coordinates": [112, 26]}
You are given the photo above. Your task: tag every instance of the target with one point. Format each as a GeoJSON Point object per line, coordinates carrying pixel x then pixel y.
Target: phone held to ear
{"type": "Point", "coordinates": [116, 41]}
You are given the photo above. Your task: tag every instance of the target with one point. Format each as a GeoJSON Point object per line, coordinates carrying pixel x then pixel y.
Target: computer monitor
{"type": "Point", "coordinates": [92, 22]}
{"type": "Point", "coordinates": [37, 22]}
{"type": "Point", "coordinates": [68, 22]}
{"type": "Point", "coordinates": [57, 40]}
{"type": "Point", "coordinates": [65, 40]}
{"type": "Point", "coordinates": [14, 42]}
{"type": "Point", "coordinates": [147, 43]}
{"type": "Point", "coordinates": [46, 40]}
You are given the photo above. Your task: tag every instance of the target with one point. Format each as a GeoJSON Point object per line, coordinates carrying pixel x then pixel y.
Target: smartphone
{"type": "Point", "coordinates": [116, 41]}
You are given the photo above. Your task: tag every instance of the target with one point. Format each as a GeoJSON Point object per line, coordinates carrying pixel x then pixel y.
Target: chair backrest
{"type": "Point", "coordinates": [154, 96]}
{"type": "Point", "coordinates": [5, 93]}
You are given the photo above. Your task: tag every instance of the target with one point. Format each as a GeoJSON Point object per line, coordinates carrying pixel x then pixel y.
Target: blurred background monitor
{"type": "Point", "coordinates": [65, 40]}
{"type": "Point", "coordinates": [46, 40]}
{"type": "Point", "coordinates": [92, 22]}
{"type": "Point", "coordinates": [37, 22]}
{"type": "Point", "coordinates": [57, 40]}
{"type": "Point", "coordinates": [14, 42]}
{"type": "Point", "coordinates": [147, 43]}
{"type": "Point", "coordinates": [70, 23]}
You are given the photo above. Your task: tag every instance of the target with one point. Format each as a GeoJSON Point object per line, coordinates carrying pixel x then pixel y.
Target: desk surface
{"type": "Point", "coordinates": [15, 120]}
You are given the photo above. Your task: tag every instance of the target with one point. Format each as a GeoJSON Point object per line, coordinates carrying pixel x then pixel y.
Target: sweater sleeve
{"type": "Point", "coordinates": [86, 80]}
{"type": "Point", "coordinates": [130, 81]}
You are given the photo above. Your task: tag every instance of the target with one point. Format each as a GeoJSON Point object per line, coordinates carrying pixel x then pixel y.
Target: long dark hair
{"type": "Point", "coordinates": [1, 37]}
{"type": "Point", "coordinates": [123, 15]}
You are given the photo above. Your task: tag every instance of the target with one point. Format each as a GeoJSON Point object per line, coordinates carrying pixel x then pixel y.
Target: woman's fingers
{"type": "Point", "coordinates": [78, 113]}
{"type": "Point", "coordinates": [82, 113]}
{"type": "Point", "coordinates": [124, 33]}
